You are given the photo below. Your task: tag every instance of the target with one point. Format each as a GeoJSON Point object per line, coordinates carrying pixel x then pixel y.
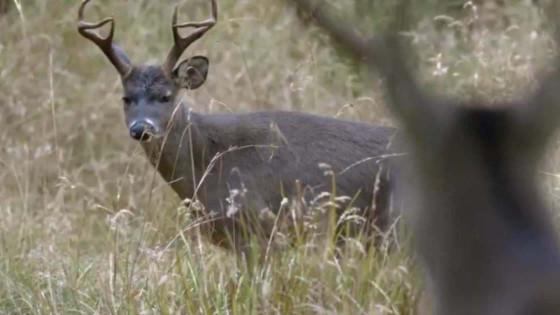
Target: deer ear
{"type": "Point", "coordinates": [191, 73]}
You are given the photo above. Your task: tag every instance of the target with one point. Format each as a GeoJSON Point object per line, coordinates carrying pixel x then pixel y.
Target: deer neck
{"type": "Point", "coordinates": [180, 156]}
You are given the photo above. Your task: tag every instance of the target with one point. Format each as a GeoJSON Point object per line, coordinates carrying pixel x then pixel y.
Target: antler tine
{"type": "Point", "coordinates": [104, 43]}
{"type": "Point", "coordinates": [181, 43]}
{"type": "Point", "coordinates": [385, 55]}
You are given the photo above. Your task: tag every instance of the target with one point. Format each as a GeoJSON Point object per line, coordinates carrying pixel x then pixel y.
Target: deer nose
{"type": "Point", "coordinates": [141, 130]}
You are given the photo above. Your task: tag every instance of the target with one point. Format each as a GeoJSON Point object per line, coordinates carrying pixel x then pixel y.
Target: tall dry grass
{"type": "Point", "coordinates": [87, 226]}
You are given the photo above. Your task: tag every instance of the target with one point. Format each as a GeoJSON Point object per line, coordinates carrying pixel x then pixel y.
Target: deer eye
{"type": "Point", "coordinates": [164, 98]}
{"type": "Point", "coordinates": [127, 100]}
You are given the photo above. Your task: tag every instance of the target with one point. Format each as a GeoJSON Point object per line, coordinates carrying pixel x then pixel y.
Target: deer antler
{"type": "Point", "coordinates": [181, 43]}
{"type": "Point", "coordinates": [86, 29]}
{"type": "Point", "coordinates": [385, 55]}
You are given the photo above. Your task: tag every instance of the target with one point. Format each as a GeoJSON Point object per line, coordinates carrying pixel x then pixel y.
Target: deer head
{"type": "Point", "coordinates": [150, 91]}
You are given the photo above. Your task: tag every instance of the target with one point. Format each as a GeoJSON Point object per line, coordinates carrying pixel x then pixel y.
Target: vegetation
{"type": "Point", "coordinates": [88, 227]}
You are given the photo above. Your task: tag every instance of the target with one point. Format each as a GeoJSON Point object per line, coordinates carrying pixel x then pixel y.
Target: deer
{"type": "Point", "coordinates": [241, 165]}
{"type": "Point", "coordinates": [479, 224]}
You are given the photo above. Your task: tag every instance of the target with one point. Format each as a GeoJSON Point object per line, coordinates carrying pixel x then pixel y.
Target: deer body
{"type": "Point", "coordinates": [272, 154]}
{"type": "Point", "coordinates": [238, 165]}
{"type": "Point", "coordinates": [478, 221]}
{"type": "Point", "coordinates": [274, 150]}
{"type": "Point", "coordinates": [481, 226]}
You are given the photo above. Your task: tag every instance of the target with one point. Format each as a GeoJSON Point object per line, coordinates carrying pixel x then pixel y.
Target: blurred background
{"type": "Point", "coordinates": [88, 227]}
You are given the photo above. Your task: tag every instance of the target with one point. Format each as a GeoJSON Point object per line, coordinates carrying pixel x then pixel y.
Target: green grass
{"type": "Point", "coordinates": [87, 227]}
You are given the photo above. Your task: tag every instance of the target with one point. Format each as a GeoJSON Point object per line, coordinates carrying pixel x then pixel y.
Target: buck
{"type": "Point", "coordinates": [239, 165]}
{"type": "Point", "coordinates": [481, 227]}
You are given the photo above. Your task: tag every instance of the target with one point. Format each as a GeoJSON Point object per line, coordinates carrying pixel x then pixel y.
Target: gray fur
{"type": "Point", "coordinates": [270, 155]}
{"type": "Point", "coordinates": [238, 165]}
{"type": "Point", "coordinates": [480, 224]}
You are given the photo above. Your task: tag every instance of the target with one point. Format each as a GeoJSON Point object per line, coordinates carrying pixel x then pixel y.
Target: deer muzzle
{"type": "Point", "coordinates": [142, 130]}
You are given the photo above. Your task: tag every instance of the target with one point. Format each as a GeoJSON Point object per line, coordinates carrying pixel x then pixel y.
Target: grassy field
{"type": "Point", "coordinates": [88, 227]}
